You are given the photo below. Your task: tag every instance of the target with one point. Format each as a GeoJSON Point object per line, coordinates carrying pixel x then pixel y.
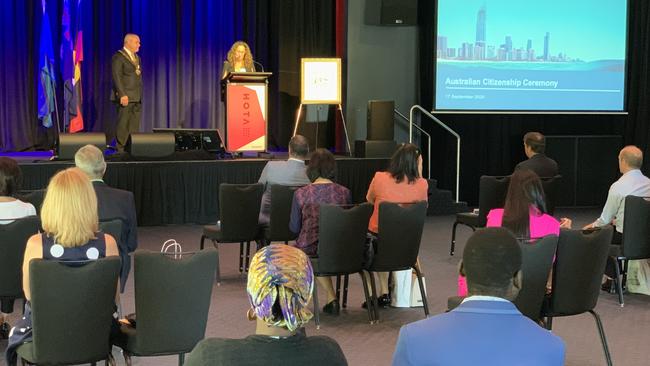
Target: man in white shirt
{"type": "Point", "coordinates": [631, 183]}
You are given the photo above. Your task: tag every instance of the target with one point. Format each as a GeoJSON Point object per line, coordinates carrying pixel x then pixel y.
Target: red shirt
{"type": "Point", "coordinates": [384, 188]}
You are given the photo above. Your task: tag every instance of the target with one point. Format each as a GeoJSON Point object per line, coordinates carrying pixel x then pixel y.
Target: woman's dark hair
{"type": "Point", "coordinates": [404, 163]}
{"type": "Point", "coordinates": [525, 189]}
{"type": "Point", "coordinates": [321, 164]}
{"type": "Point", "coordinates": [10, 176]}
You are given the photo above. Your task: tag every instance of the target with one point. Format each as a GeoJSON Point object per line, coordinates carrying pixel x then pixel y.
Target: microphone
{"type": "Point", "coordinates": [257, 63]}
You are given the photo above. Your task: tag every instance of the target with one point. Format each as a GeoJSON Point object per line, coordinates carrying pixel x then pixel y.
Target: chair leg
{"type": "Point", "coordinates": [338, 287]}
{"type": "Point", "coordinates": [110, 360]}
{"type": "Point", "coordinates": [548, 323]}
{"type": "Point", "coordinates": [218, 271]}
{"type": "Point", "coordinates": [371, 318]}
{"type": "Point", "coordinates": [248, 256]}
{"type": "Point", "coordinates": [618, 281]}
{"type": "Point", "coordinates": [241, 257]}
{"type": "Point", "coordinates": [374, 297]}
{"type": "Point", "coordinates": [316, 306]}
{"type": "Point", "coordinates": [346, 282]}
{"type": "Point", "coordinates": [181, 359]}
{"type": "Point", "coordinates": [202, 242]}
{"type": "Point", "coordinates": [453, 239]}
{"type": "Point", "coordinates": [603, 339]}
{"type": "Point", "coordinates": [423, 291]}
{"type": "Point", "coordinates": [127, 358]}
{"type": "Point", "coordinates": [624, 272]}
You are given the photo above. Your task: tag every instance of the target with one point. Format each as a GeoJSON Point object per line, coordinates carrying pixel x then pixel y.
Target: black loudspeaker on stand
{"type": "Point", "coordinates": [380, 141]}
{"type": "Point", "coordinates": [69, 143]}
{"type": "Point", "coordinates": [150, 145]}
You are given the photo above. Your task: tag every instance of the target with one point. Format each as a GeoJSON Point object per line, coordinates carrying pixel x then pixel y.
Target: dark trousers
{"type": "Point", "coordinates": [610, 268]}
{"type": "Point", "coordinates": [128, 122]}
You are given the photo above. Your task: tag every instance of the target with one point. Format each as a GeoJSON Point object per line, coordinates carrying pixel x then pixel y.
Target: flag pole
{"type": "Point", "coordinates": [56, 109]}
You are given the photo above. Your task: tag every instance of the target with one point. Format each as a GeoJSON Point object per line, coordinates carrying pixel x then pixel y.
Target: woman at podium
{"type": "Point", "coordinates": [239, 59]}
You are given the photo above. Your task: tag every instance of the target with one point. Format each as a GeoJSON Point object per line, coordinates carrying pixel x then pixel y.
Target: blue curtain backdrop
{"type": "Point", "coordinates": [184, 43]}
{"type": "Point", "coordinates": [183, 46]}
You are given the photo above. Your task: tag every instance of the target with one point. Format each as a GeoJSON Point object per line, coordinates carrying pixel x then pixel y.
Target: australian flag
{"type": "Point", "coordinates": [47, 83]}
{"type": "Point", "coordinates": [71, 57]}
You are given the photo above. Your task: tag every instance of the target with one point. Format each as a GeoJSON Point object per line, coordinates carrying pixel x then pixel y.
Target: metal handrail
{"type": "Point", "coordinates": [439, 122]}
{"type": "Point", "coordinates": [428, 137]}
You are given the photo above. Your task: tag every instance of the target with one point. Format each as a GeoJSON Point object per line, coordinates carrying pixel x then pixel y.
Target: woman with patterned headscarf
{"type": "Point", "coordinates": [280, 284]}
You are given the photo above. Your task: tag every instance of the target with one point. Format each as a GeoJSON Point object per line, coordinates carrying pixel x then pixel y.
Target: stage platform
{"type": "Point", "coordinates": [179, 192]}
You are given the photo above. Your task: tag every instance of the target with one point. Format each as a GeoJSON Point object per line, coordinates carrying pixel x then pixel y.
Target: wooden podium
{"type": "Point", "coordinates": [245, 95]}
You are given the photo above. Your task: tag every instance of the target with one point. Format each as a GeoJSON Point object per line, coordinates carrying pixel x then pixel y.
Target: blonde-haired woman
{"type": "Point", "coordinates": [71, 233]}
{"type": "Point", "coordinates": [239, 59]}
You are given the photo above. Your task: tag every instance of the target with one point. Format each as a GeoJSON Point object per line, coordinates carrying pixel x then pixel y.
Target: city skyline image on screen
{"type": "Point", "coordinates": [508, 55]}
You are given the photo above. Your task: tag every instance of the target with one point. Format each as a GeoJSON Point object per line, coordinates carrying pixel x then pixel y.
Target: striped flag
{"type": "Point", "coordinates": [72, 59]}
{"type": "Point", "coordinates": [47, 83]}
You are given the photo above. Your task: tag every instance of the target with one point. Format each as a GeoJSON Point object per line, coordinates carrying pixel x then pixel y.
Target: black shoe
{"type": "Point", "coordinates": [383, 301]}
{"type": "Point", "coordinates": [4, 330]}
{"type": "Point", "coordinates": [608, 286]}
{"type": "Point", "coordinates": [332, 307]}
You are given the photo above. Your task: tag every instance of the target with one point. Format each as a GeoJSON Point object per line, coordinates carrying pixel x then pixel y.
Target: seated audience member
{"type": "Point", "coordinates": [524, 213]}
{"type": "Point", "coordinates": [305, 212]}
{"type": "Point", "coordinates": [280, 282]}
{"type": "Point", "coordinates": [112, 203]}
{"type": "Point", "coordinates": [538, 162]}
{"type": "Point", "coordinates": [402, 183]}
{"type": "Point", "coordinates": [631, 183]}
{"type": "Point", "coordinates": [70, 224]}
{"type": "Point", "coordinates": [287, 173]}
{"type": "Point", "coordinates": [11, 208]}
{"type": "Point", "coordinates": [486, 328]}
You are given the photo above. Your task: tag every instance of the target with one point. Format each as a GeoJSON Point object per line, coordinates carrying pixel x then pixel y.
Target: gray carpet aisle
{"type": "Point", "coordinates": [628, 328]}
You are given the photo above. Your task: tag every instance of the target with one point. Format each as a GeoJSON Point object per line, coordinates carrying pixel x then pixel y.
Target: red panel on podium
{"type": "Point", "coordinates": [246, 106]}
{"type": "Point", "coordinates": [246, 117]}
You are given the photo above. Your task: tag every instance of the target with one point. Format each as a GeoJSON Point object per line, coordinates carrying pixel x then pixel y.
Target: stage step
{"type": "Point", "coordinates": [441, 201]}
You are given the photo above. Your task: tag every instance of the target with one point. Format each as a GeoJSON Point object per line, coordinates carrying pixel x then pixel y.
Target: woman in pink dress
{"type": "Point", "coordinates": [524, 213]}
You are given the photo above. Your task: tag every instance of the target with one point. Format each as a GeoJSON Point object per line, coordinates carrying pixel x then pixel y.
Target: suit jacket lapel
{"type": "Point", "coordinates": [128, 58]}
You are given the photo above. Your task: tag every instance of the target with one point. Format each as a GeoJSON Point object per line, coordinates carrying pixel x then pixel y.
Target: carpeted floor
{"type": "Point", "coordinates": [628, 328]}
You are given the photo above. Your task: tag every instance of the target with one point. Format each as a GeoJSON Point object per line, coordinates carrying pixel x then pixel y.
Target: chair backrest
{"type": "Point", "coordinates": [72, 309]}
{"type": "Point", "coordinates": [239, 209]}
{"type": "Point", "coordinates": [342, 237]}
{"type": "Point", "coordinates": [400, 232]}
{"type": "Point", "coordinates": [551, 188]}
{"type": "Point", "coordinates": [13, 238]}
{"type": "Point", "coordinates": [34, 197]}
{"type": "Point", "coordinates": [281, 201]}
{"type": "Point", "coordinates": [491, 194]}
{"type": "Point", "coordinates": [636, 228]}
{"type": "Point", "coordinates": [537, 260]}
{"type": "Point", "coordinates": [113, 228]}
{"type": "Point", "coordinates": [172, 299]}
{"type": "Point", "coordinates": [578, 271]}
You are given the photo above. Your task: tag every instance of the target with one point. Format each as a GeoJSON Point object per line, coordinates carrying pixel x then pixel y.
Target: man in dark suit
{"type": "Point", "coordinates": [112, 203]}
{"type": "Point", "coordinates": [538, 162]}
{"type": "Point", "coordinates": [486, 328]}
{"type": "Point", "coordinates": [127, 88]}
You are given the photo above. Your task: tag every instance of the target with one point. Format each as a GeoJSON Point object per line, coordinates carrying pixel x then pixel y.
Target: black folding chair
{"type": "Point", "coordinates": [577, 275]}
{"type": "Point", "coordinates": [239, 208]}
